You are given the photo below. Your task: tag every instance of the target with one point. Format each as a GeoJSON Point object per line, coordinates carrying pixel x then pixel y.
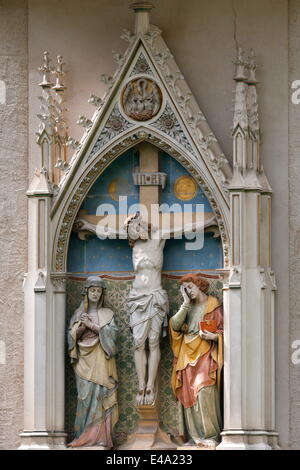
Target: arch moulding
{"type": "Point", "coordinates": [65, 211]}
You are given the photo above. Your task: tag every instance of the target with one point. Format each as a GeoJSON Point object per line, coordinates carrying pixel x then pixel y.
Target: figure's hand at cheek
{"type": "Point", "coordinates": [185, 296]}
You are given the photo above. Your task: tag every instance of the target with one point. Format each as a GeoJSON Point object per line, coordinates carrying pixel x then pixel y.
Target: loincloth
{"type": "Point", "coordinates": [148, 314]}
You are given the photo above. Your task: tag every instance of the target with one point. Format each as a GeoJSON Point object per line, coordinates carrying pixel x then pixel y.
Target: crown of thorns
{"type": "Point", "coordinates": [130, 218]}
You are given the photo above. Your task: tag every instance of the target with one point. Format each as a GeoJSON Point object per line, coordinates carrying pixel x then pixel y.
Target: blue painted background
{"type": "Point", "coordinates": [99, 256]}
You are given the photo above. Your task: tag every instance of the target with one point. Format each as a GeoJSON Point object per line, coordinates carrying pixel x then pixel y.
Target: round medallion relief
{"type": "Point", "coordinates": [118, 187]}
{"type": "Point", "coordinates": [185, 188]}
{"type": "Point", "coordinates": [141, 99]}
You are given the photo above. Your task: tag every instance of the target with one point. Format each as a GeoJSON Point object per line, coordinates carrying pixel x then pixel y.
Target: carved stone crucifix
{"type": "Point", "coordinates": [148, 301]}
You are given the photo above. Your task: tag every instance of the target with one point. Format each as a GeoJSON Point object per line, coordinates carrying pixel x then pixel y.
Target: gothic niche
{"type": "Point", "coordinates": [141, 99]}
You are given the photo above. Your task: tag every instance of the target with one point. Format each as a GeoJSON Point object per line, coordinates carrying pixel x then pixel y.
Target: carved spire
{"type": "Point", "coordinates": [52, 134]}
{"type": "Point", "coordinates": [246, 131]}
{"type": "Point", "coordinates": [240, 100]}
{"type": "Point", "coordinates": [142, 10]}
{"type": "Point", "coordinates": [252, 98]}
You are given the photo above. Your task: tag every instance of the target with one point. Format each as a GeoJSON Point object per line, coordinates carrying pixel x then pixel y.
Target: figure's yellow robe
{"type": "Point", "coordinates": [197, 371]}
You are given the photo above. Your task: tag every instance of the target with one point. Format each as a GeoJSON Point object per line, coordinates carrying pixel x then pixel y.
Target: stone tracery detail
{"type": "Point", "coordinates": [115, 124]}
{"type": "Point", "coordinates": [142, 67]}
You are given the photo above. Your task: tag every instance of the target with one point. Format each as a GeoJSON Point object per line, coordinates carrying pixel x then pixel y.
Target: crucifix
{"type": "Point", "coordinates": [147, 302]}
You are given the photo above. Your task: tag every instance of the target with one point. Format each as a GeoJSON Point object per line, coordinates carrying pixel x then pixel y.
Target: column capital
{"type": "Point", "coordinates": [59, 281]}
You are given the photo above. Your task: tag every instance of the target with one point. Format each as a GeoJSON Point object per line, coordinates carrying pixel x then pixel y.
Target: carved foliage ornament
{"type": "Point", "coordinates": [169, 124]}
{"type": "Point", "coordinates": [141, 99]}
{"type": "Point", "coordinates": [113, 127]}
{"type": "Point", "coordinates": [141, 67]}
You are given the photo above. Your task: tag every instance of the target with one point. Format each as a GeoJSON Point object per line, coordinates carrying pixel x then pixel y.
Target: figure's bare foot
{"type": "Point", "coordinates": [149, 396]}
{"type": "Point", "coordinates": [199, 442]}
{"type": "Point", "coordinates": [206, 443]}
{"type": "Point", "coordinates": [210, 443]}
{"type": "Point", "coordinates": [140, 397]}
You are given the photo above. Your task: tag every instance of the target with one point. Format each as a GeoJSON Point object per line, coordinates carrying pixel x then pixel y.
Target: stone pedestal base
{"type": "Point", "coordinates": [89, 448]}
{"type": "Point", "coordinates": [195, 448]}
{"type": "Point", "coordinates": [43, 440]}
{"type": "Point", "coordinates": [249, 440]}
{"type": "Point", "coordinates": [148, 436]}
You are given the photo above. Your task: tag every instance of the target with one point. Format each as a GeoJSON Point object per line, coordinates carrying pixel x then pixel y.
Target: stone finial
{"type": "Point", "coordinates": [45, 70]}
{"type": "Point", "coordinates": [59, 73]}
{"type": "Point", "coordinates": [240, 73]}
{"type": "Point", "coordinates": [142, 10]}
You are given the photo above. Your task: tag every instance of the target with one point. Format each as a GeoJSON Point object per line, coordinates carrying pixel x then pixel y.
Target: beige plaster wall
{"type": "Point", "coordinates": [294, 210]}
{"type": "Point", "coordinates": [13, 214]}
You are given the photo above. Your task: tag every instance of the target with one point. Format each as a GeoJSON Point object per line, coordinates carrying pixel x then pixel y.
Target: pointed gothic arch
{"type": "Point", "coordinates": [65, 212]}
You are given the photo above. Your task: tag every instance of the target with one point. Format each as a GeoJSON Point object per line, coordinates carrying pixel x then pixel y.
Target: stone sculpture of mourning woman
{"type": "Point", "coordinates": [196, 339]}
{"type": "Point", "coordinates": [92, 348]}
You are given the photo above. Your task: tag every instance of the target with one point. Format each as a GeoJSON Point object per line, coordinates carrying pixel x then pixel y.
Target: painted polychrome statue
{"type": "Point", "coordinates": [147, 301]}
{"type": "Point", "coordinates": [196, 332]}
{"type": "Point", "coordinates": [92, 347]}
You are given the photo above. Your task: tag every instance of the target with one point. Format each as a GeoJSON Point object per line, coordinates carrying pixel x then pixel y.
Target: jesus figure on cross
{"type": "Point", "coordinates": [148, 301]}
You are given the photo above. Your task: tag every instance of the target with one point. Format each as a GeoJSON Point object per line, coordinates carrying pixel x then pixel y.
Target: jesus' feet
{"type": "Point", "coordinates": [149, 396]}
{"type": "Point", "coordinates": [140, 397]}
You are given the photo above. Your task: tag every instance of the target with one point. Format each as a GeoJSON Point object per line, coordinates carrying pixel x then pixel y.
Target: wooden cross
{"type": "Point", "coordinates": [149, 195]}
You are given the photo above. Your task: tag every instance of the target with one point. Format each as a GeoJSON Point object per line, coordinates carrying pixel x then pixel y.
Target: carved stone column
{"type": "Point", "coordinates": [58, 351]}
{"type": "Point", "coordinates": [44, 318]}
{"type": "Point", "coordinates": [249, 372]}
